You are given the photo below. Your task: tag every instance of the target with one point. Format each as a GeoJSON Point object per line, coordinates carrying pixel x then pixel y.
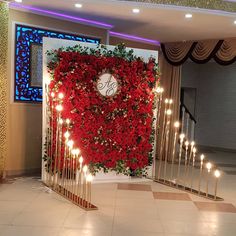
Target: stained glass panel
{"type": "Point", "coordinates": [27, 41]}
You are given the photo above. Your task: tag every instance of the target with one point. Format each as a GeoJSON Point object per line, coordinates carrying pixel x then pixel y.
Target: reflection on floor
{"type": "Point", "coordinates": [142, 208]}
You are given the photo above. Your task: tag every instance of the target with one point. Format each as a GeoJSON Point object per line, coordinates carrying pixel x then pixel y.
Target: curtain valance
{"type": "Point", "coordinates": [222, 51]}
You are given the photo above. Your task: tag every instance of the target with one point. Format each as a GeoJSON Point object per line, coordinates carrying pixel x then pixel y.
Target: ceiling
{"type": "Point", "coordinates": [158, 22]}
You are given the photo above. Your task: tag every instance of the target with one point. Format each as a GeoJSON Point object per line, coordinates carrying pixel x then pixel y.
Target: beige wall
{"type": "Point", "coordinates": [24, 120]}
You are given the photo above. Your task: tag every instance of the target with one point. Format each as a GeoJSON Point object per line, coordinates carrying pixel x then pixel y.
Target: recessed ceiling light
{"type": "Point", "coordinates": [188, 15]}
{"type": "Point", "coordinates": [78, 5]}
{"type": "Point", "coordinates": [136, 10]}
{"type": "Point", "coordinates": [235, 22]}
{"type": "Point", "coordinates": [18, 0]}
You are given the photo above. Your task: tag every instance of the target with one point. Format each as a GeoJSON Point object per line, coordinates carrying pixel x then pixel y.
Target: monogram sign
{"type": "Point", "coordinates": [107, 85]}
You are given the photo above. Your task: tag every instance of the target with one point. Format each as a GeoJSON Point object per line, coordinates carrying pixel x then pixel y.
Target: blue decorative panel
{"type": "Point", "coordinates": [26, 38]}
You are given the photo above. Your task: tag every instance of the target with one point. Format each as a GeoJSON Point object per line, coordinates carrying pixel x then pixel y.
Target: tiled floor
{"type": "Point", "coordinates": [142, 208]}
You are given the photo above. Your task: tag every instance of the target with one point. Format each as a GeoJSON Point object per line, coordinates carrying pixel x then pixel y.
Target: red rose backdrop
{"type": "Point", "coordinates": [113, 133]}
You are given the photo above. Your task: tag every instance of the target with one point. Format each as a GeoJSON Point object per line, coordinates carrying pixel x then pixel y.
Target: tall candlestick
{"type": "Point", "coordinates": [70, 145]}
{"type": "Point", "coordinates": [162, 139]}
{"type": "Point", "coordinates": [85, 169]}
{"type": "Point", "coordinates": [59, 152]}
{"type": "Point", "coordinates": [51, 138]}
{"type": "Point", "coordinates": [80, 177]}
{"type": "Point", "coordinates": [185, 163]}
{"type": "Point", "coordinates": [180, 155]}
{"type": "Point", "coordinates": [176, 126]}
{"type": "Point", "coordinates": [193, 164]}
{"type": "Point", "coordinates": [189, 161]}
{"type": "Point", "coordinates": [208, 166]}
{"type": "Point", "coordinates": [168, 112]}
{"type": "Point", "coordinates": [64, 168]}
{"type": "Point", "coordinates": [89, 180]}
{"type": "Point", "coordinates": [200, 173]}
{"type": "Point", "coordinates": [59, 109]}
{"type": "Point", "coordinates": [217, 175]}
{"type": "Point", "coordinates": [159, 92]}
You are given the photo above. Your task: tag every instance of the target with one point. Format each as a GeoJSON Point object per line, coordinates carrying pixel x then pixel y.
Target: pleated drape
{"type": "Point", "coordinates": [222, 51]}
{"type": "Point", "coordinates": [171, 82]}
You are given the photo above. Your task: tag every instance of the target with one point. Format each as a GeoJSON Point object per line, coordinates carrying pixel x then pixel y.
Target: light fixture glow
{"type": "Point", "coordinates": [176, 124]}
{"type": "Point", "coordinates": [73, 151]}
{"type": "Point", "coordinates": [166, 100]}
{"type": "Point", "coordinates": [186, 143]}
{"type": "Point", "coordinates": [182, 137]}
{"type": "Point", "coordinates": [59, 108]}
{"type": "Point", "coordinates": [67, 135]}
{"type": "Point", "coordinates": [235, 22]}
{"type": "Point", "coordinates": [202, 157]}
{"type": "Point", "coordinates": [18, 1]}
{"type": "Point", "coordinates": [170, 101]}
{"type": "Point", "coordinates": [136, 10]}
{"type": "Point", "coordinates": [60, 121]}
{"type": "Point", "coordinates": [192, 143]}
{"type": "Point", "coordinates": [47, 80]}
{"type": "Point", "coordinates": [77, 151]}
{"type": "Point", "coordinates": [70, 143]}
{"type": "Point", "coordinates": [89, 178]}
{"type": "Point", "coordinates": [217, 173]}
{"type": "Point", "coordinates": [194, 150]}
{"type": "Point", "coordinates": [159, 90]}
{"type": "Point", "coordinates": [188, 15]}
{"type": "Point", "coordinates": [208, 166]}
{"type": "Point", "coordinates": [78, 5]}
{"type": "Point", "coordinates": [85, 169]}
{"type": "Point", "coordinates": [81, 159]}
{"type": "Point", "coordinates": [67, 121]}
{"type": "Point", "coordinates": [168, 112]}
{"type": "Point", "coordinates": [60, 95]}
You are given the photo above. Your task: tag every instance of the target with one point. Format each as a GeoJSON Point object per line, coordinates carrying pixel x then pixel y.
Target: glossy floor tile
{"type": "Point", "coordinates": [136, 187]}
{"type": "Point", "coordinates": [134, 208]}
{"type": "Point", "coordinates": [218, 207]}
{"type": "Point", "coordinates": [171, 196]}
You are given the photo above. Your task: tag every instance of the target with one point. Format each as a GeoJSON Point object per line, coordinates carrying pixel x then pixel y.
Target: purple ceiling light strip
{"type": "Point", "coordinates": [133, 37]}
{"type": "Point", "coordinates": [68, 17]}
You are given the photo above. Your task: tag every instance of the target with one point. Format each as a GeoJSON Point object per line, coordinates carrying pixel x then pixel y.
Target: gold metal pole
{"type": "Point", "coordinates": [208, 166]}
{"type": "Point", "coordinates": [200, 174]}
{"type": "Point", "coordinates": [185, 163]}
{"type": "Point", "coordinates": [169, 112]}
{"type": "Point", "coordinates": [180, 155]}
{"type": "Point", "coordinates": [176, 126]}
{"type": "Point", "coordinates": [189, 161]}
{"type": "Point", "coordinates": [52, 156]}
{"type": "Point", "coordinates": [159, 92]}
{"type": "Point", "coordinates": [192, 170]}
{"type": "Point", "coordinates": [59, 109]}
{"type": "Point", "coordinates": [162, 139]}
{"type": "Point", "coordinates": [217, 175]}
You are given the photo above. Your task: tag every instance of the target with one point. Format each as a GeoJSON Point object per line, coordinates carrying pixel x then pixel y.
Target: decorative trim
{"type": "Point", "coordinates": [25, 36]}
{"type": "Point", "coordinates": [4, 14]}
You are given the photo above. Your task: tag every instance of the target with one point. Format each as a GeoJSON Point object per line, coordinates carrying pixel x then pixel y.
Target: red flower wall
{"type": "Point", "coordinates": [108, 131]}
